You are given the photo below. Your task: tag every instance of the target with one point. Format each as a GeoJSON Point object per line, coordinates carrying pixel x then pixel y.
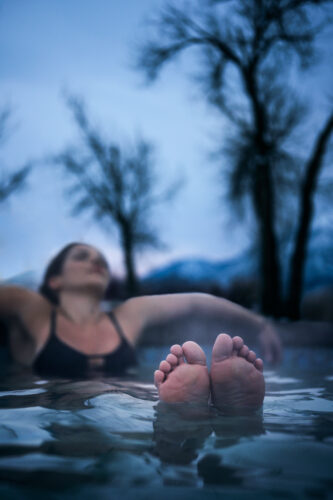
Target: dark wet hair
{"type": "Point", "coordinates": [55, 269]}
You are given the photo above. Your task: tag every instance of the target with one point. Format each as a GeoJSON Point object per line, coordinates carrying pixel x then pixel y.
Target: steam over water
{"type": "Point", "coordinates": [109, 438]}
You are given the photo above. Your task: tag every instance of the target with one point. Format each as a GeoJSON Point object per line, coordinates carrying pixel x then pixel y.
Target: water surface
{"type": "Point", "coordinates": [109, 438]}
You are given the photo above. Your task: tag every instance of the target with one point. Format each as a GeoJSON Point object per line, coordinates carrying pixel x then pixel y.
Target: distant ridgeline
{"type": "Point", "coordinates": [220, 276]}
{"type": "Point", "coordinates": [28, 279]}
{"type": "Point", "coordinates": [223, 274]}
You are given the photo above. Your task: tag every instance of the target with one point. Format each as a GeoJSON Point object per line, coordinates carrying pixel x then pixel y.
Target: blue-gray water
{"type": "Point", "coordinates": [110, 438]}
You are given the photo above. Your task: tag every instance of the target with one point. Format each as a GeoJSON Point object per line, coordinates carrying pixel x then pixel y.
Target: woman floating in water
{"type": "Point", "coordinates": [63, 331]}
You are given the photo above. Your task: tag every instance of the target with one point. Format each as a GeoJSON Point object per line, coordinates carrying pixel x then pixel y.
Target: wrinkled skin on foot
{"type": "Point", "coordinates": [237, 382]}
{"type": "Point", "coordinates": [183, 375]}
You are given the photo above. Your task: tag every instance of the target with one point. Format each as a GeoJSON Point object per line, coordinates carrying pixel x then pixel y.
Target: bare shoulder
{"type": "Point", "coordinates": [130, 319]}
{"type": "Point", "coordinates": [139, 313]}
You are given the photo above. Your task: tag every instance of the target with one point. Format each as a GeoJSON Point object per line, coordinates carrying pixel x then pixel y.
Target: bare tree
{"type": "Point", "coordinates": [308, 188]}
{"type": "Point", "coordinates": [10, 181]}
{"type": "Point", "coordinates": [119, 186]}
{"type": "Point", "coordinates": [245, 49]}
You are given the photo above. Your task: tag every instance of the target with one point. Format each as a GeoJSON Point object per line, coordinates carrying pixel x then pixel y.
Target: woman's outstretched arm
{"type": "Point", "coordinates": [15, 300]}
{"type": "Point", "coordinates": [204, 310]}
{"type": "Point", "coordinates": [23, 304]}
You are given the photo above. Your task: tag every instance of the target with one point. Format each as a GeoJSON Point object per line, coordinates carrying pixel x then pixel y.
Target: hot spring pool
{"type": "Point", "coordinates": [110, 439]}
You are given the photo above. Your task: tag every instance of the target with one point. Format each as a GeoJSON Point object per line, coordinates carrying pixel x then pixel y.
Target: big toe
{"type": "Point", "coordinates": [193, 353]}
{"type": "Point", "coordinates": [222, 348]}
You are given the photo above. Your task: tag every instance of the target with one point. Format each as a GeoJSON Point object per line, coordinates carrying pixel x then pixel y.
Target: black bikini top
{"type": "Point", "coordinates": [59, 359]}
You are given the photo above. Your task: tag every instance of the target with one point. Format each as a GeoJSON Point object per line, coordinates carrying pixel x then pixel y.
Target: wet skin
{"type": "Point", "coordinates": [235, 382]}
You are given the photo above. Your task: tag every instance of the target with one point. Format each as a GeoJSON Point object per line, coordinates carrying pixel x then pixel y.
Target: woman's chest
{"type": "Point", "coordinates": [89, 339]}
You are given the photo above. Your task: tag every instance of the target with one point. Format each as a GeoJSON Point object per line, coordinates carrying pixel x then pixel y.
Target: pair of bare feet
{"type": "Point", "coordinates": [235, 381]}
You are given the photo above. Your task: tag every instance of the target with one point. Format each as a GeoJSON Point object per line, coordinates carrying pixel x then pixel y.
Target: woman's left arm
{"type": "Point", "coordinates": [140, 313]}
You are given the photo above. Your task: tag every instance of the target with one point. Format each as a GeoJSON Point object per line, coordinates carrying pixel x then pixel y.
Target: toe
{"type": "Point", "coordinates": [172, 360]}
{"type": "Point", "coordinates": [238, 343]}
{"type": "Point", "coordinates": [222, 348]}
{"type": "Point", "coordinates": [178, 352]}
{"type": "Point", "coordinates": [165, 366]}
{"type": "Point", "coordinates": [158, 377]}
{"type": "Point", "coordinates": [244, 351]}
{"type": "Point", "coordinates": [259, 364]}
{"type": "Point", "coordinates": [193, 353]}
{"type": "Point", "coordinates": [251, 357]}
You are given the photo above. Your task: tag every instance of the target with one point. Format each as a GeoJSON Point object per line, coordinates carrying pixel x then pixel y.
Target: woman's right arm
{"type": "Point", "coordinates": [24, 305]}
{"type": "Point", "coordinates": [14, 300]}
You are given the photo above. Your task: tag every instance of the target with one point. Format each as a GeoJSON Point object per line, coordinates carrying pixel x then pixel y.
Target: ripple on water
{"type": "Point", "coordinates": [289, 456]}
{"type": "Point", "coordinates": [112, 433]}
{"type": "Point", "coordinates": [27, 426]}
{"type": "Point", "coordinates": [293, 403]}
{"type": "Point", "coordinates": [275, 379]}
{"type": "Point", "coordinates": [119, 413]}
{"type": "Point", "coordinates": [22, 392]}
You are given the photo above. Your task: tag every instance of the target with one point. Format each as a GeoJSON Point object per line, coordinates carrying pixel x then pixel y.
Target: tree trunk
{"type": "Point", "coordinates": [270, 286]}
{"type": "Point", "coordinates": [132, 284]}
{"type": "Point", "coordinates": [298, 257]}
{"type": "Point", "coordinates": [264, 200]}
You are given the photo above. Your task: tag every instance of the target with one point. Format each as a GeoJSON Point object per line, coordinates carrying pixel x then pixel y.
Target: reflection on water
{"type": "Point", "coordinates": [112, 437]}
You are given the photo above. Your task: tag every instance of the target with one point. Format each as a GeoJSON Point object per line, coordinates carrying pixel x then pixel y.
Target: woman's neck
{"type": "Point", "coordinates": [80, 308]}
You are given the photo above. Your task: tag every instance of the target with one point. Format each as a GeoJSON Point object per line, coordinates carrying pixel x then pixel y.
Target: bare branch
{"type": "Point", "coordinates": [116, 185]}
{"type": "Point", "coordinates": [246, 47]}
{"type": "Point", "coordinates": [11, 183]}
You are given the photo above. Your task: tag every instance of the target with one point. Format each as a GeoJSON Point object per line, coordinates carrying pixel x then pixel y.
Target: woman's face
{"type": "Point", "coordinates": [84, 268]}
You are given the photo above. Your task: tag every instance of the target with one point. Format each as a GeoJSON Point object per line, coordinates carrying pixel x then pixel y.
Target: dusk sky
{"type": "Point", "coordinates": [85, 47]}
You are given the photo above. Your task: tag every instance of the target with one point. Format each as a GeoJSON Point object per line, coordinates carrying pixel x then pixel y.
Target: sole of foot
{"type": "Point", "coordinates": [183, 376]}
{"type": "Point", "coordinates": [237, 382]}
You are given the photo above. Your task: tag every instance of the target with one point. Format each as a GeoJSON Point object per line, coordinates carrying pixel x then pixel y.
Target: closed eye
{"type": "Point", "coordinates": [82, 255]}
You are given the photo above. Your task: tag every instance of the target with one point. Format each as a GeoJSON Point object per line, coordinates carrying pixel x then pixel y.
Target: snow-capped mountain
{"type": "Point", "coordinates": [198, 270]}
{"type": "Point", "coordinates": [318, 270]}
